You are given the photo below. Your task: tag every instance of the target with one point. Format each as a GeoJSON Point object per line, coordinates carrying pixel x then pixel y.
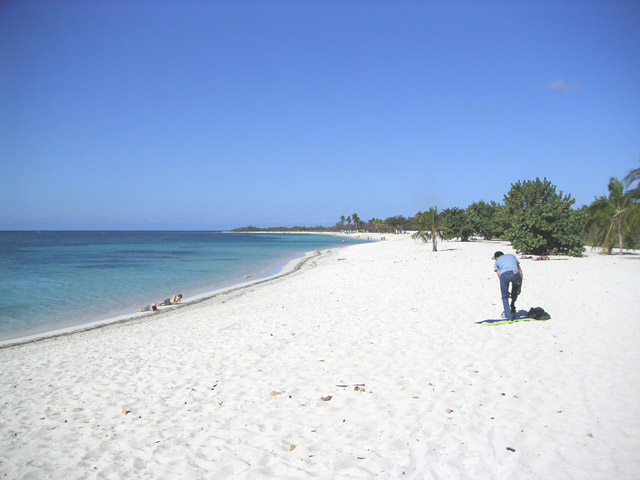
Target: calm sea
{"type": "Point", "coordinates": [51, 280]}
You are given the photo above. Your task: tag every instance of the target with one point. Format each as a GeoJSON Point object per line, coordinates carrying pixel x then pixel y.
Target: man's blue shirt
{"type": "Point", "coordinates": [506, 263]}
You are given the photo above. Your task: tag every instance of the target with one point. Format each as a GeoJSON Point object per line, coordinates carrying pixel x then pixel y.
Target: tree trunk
{"type": "Point", "coordinates": [435, 243]}
{"type": "Point", "coordinates": [620, 238]}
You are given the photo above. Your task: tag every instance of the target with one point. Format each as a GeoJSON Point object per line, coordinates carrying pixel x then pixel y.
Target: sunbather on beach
{"type": "Point", "coordinates": [149, 308]}
{"type": "Point", "coordinates": [175, 300]}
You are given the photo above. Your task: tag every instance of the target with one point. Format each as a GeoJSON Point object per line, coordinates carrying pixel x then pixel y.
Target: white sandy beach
{"type": "Point", "coordinates": [367, 362]}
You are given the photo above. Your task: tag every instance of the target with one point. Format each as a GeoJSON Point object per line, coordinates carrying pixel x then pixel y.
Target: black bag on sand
{"type": "Point", "coordinates": [538, 313]}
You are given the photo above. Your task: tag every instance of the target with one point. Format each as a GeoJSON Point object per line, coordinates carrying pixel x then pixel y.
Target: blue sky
{"type": "Point", "coordinates": [213, 115]}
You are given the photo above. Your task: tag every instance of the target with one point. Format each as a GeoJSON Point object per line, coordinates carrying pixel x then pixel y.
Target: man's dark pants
{"type": "Point", "coordinates": [514, 279]}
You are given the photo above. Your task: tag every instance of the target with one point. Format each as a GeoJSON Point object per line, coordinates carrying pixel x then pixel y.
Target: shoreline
{"type": "Point", "coordinates": [257, 278]}
{"type": "Point", "coordinates": [122, 315]}
{"type": "Point", "coordinates": [206, 293]}
{"type": "Point", "coordinates": [365, 362]}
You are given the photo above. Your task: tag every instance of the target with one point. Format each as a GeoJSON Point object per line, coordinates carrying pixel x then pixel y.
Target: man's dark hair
{"type": "Point", "coordinates": [497, 254]}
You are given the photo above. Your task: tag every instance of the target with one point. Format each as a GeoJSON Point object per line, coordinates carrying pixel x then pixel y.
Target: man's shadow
{"type": "Point", "coordinates": [520, 315]}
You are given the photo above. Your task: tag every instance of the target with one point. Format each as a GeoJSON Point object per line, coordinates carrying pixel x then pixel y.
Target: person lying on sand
{"type": "Point", "coordinates": [149, 308]}
{"type": "Point", "coordinates": [175, 300]}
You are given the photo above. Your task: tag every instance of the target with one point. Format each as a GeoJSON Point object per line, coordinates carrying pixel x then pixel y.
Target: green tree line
{"type": "Point", "coordinates": [534, 217]}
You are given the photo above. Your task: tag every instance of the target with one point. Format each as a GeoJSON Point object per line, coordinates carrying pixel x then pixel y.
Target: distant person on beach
{"type": "Point", "coordinates": [175, 300]}
{"type": "Point", "coordinates": [509, 271]}
{"type": "Point", "coordinates": [152, 307]}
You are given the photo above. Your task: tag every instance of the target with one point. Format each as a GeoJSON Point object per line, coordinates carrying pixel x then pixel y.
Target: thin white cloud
{"type": "Point", "coordinates": [560, 85]}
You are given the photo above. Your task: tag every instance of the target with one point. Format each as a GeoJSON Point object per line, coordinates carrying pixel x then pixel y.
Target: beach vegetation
{"type": "Point", "coordinates": [377, 225]}
{"type": "Point", "coordinates": [614, 218]}
{"type": "Point", "coordinates": [534, 217]}
{"type": "Point", "coordinates": [504, 220]}
{"type": "Point", "coordinates": [431, 227]}
{"type": "Point", "coordinates": [526, 196]}
{"type": "Point", "coordinates": [458, 223]}
{"type": "Point", "coordinates": [357, 223]}
{"type": "Point", "coordinates": [542, 221]}
{"type": "Point", "coordinates": [633, 177]}
{"type": "Point", "coordinates": [397, 224]}
{"type": "Point", "coordinates": [351, 222]}
{"type": "Point", "coordinates": [483, 218]}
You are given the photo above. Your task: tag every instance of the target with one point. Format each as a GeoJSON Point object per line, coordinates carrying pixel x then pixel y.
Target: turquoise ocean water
{"type": "Point", "coordinates": [51, 280]}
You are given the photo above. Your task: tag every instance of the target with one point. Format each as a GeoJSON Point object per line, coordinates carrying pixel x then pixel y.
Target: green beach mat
{"type": "Point", "coordinates": [502, 321]}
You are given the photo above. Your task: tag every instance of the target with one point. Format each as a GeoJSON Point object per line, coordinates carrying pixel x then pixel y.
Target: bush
{"type": "Point", "coordinates": [543, 222]}
{"type": "Point", "coordinates": [483, 219]}
{"type": "Point", "coordinates": [458, 223]}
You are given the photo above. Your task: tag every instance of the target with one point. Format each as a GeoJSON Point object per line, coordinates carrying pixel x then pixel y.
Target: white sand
{"type": "Point", "coordinates": [440, 396]}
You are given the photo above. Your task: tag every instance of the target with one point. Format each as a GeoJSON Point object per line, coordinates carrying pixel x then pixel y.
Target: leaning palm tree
{"type": "Point", "coordinates": [630, 179]}
{"type": "Point", "coordinates": [431, 227]}
{"type": "Point", "coordinates": [633, 176]}
{"type": "Point", "coordinates": [610, 218]}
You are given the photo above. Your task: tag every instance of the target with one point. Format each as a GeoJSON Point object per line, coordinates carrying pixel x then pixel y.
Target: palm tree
{"type": "Point", "coordinates": [613, 216]}
{"type": "Point", "coordinates": [342, 219]}
{"type": "Point", "coordinates": [633, 176]}
{"type": "Point", "coordinates": [356, 221]}
{"type": "Point", "coordinates": [378, 224]}
{"type": "Point", "coordinates": [431, 227]}
{"type": "Point", "coordinates": [348, 219]}
{"type": "Point", "coordinates": [630, 179]}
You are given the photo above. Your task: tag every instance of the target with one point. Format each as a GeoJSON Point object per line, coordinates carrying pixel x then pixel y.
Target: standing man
{"type": "Point", "coordinates": [509, 272]}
